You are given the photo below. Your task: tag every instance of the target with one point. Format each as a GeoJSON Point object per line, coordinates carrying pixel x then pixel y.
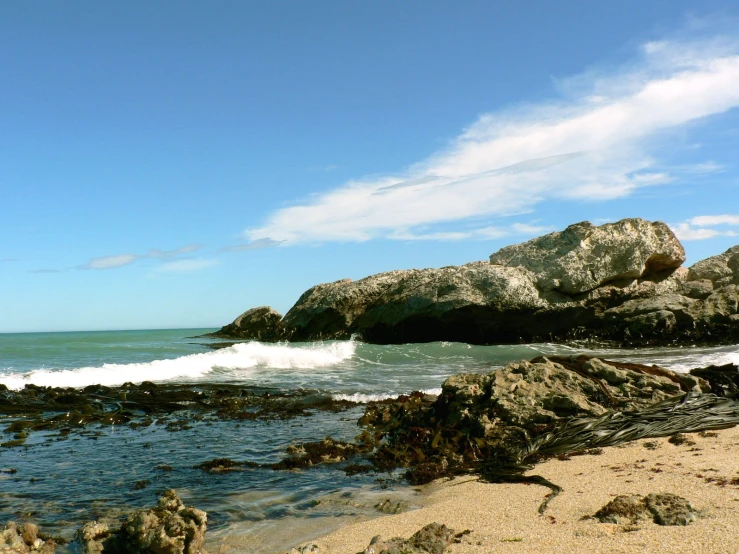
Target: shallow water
{"type": "Point", "coordinates": [63, 481]}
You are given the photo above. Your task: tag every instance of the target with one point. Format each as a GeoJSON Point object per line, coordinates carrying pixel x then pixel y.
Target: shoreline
{"type": "Point", "coordinates": [504, 517]}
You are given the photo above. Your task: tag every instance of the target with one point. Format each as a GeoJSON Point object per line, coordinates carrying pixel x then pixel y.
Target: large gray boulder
{"type": "Point", "coordinates": [720, 270]}
{"type": "Point", "coordinates": [618, 282]}
{"type": "Point", "coordinates": [413, 304]}
{"type": "Point", "coordinates": [584, 257]}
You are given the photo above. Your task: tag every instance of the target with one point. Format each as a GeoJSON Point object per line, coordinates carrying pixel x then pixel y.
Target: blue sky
{"type": "Point", "coordinates": [173, 164]}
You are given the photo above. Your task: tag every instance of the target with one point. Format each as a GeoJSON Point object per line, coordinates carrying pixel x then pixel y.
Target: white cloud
{"type": "Point", "coordinates": [593, 146]}
{"type": "Point", "coordinates": [711, 220]}
{"type": "Point", "coordinates": [121, 260]}
{"type": "Point", "coordinates": [699, 227]}
{"type": "Point", "coordinates": [253, 245]}
{"type": "Point", "coordinates": [194, 264]}
{"type": "Point", "coordinates": [111, 262]}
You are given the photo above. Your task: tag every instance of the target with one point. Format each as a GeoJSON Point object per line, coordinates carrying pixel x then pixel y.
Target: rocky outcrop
{"type": "Point", "coordinates": [662, 508]}
{"type": "Point", "coordinates": [261, 323]}
{"type": "Point", "coordinates": [527, 408]}
{"type": "Point", "coordinates": [24, 538]}
{"type": "Point", "coordinates": [432, 539]}
{"type": "Point", "coordinates": [619, 282]}
{"type": "Point", "coordinates": [584, 257]}
{"type": "Point", "coordinates": [169, 528]}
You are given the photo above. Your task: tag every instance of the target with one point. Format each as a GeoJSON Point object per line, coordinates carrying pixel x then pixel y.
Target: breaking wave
{"type": "Point", "coordinates": [237, 360]}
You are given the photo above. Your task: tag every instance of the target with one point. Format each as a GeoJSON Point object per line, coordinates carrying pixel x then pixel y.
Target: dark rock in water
{"type": "Point", "coordinates": [169, 528]}
{"type": "Point", "coordinates": [24, 538]}
{"type": "Point", "coordinates": [38, 408]}
{"type": "Point", "coordinates": [724, 379]}
{"type": "Point", "coordinates": [390, 506]}
{"type": "Point", "coordinates": [432, 539]}
{"type": "Point", "coordinates": [663, 509]}
{"type": "Point", "coordinates": [326, 451]}
{"type": "Point", "coordinates": [224, 465]}
{"type": "Point", "coordinates": [620, 282]}
{"type": "Point", "coordinates": [261, 323]}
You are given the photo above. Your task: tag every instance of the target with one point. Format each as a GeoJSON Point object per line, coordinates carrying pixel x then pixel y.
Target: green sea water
{"type": "Point", "coordinates": [64, 481]}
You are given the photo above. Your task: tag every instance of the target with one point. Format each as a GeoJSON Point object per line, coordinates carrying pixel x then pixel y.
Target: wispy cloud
{"type": "Point", "coordinates": [701, 227]}
{"type": "Point", "coordinates": [45, 270]}
{"type": "Point", "coordinates": [194, 264]}
{"type": "Point", "coordinates": [594, 143]}
{"type": "Point", "coordinates": [326, 168]}
{"type": "Point", "coordinates": [253, 245]}
{"type": "Point", "coordinates": [121, 260]}
{"type": "Point", "coordinates": [8, 260]}
{"type": "Point", "coordinates": [710, 220]}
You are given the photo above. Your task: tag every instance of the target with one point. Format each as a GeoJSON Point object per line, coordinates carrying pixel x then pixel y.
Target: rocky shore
{"type": "Point", "coordinates": [499, 426]}
{"type": "Point", "coordinates": [621, 283]}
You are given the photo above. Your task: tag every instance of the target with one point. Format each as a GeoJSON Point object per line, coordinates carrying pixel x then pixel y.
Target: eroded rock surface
{"type": "Point", "coordinates": [496, 417]}
{"type": "Point", "coordinates": [662, 508]}
{"type": "Point", "coordinates": [584, 257]}
{"type": "Point", "coordinates": [24, 538]}
{"type": "Point", "coordinates": [618, 282]}
{"type": "Point", "coordinates": [432, 539]}
{"type": "Point", "coordinates": [169, 528]}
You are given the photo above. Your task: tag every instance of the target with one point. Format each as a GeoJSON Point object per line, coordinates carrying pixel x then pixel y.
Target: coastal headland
{"type": "Point", "coordinates": [570, 453]}
{"type": "Point", "coordinates": [621, 283]}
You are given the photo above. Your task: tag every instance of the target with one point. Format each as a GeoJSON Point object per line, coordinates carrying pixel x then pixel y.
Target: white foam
{"type": "Point", "coordinates": [364, 398]}
{"type": "Point", "coordinates": [237, 358]}
{"type": "Point", "coordinates": [703, 359]}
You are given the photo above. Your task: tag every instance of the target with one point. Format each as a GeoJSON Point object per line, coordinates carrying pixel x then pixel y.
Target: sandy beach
{"type": "Point", "coordinates": [504, 517]}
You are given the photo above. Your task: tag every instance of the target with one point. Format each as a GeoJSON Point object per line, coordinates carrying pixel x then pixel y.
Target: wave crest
{"type": "Point", "coordinates": [234, 360]}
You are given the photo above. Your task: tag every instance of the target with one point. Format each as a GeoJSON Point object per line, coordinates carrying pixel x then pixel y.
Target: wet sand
{"type": "Point", "coordinates": [504, 517]}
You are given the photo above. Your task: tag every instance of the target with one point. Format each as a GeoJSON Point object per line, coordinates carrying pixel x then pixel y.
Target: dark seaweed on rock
{"type": "Point", "coordinates": [36, 408]}
{"type": "Point", "coordinates": [724, 379]}
{"type": "Point", "coordinates": [687, 414]}
{"type": "Point", "coordinates": [498, 425]}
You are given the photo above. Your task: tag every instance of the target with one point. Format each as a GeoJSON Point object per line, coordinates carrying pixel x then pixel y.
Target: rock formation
{"type": "Point", "coordinates": [620, 282]}
{"type": "Point", "coordinates": [662, 508]}
{"type": "Point", "coordinates": [432, 539]}
{"type": "Point", "coordinates": [506, 416]}
{"type": "Point", "coordinates": [169, 528]}
{"type": "Point", "coordinates": [24, 538]}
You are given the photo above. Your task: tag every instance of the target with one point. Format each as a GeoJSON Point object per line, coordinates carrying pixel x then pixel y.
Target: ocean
{"type": "Point", "coordinates": [60, 482]}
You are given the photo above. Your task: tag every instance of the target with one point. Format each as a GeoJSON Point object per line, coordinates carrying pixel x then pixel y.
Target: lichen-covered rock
{"type": "Point", "coordinates": [624, 509]}
{"type": "Point", "coordinates": [670, 509]}
{"type": "Point", "coordinates": [583, 256]}
{"type": "Point", "coordinates": [326, 451]}
{"type": "Point", "coordinates": [413, 305]}
{"type": "Point", "coordinates": [432, 539]}
{"type": "Point", "coordinates": [662, 508]}
{"type": "Point", "coordinates": [169, 528]}
{"type": "Point", "coordinates": [619, 282]}
{"type": "Point", "coordinates": [720, 270]}
{"type": "Point", "coordinates": [23, 539]}
{"type": "Point", "coordinates": [91, 537]}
